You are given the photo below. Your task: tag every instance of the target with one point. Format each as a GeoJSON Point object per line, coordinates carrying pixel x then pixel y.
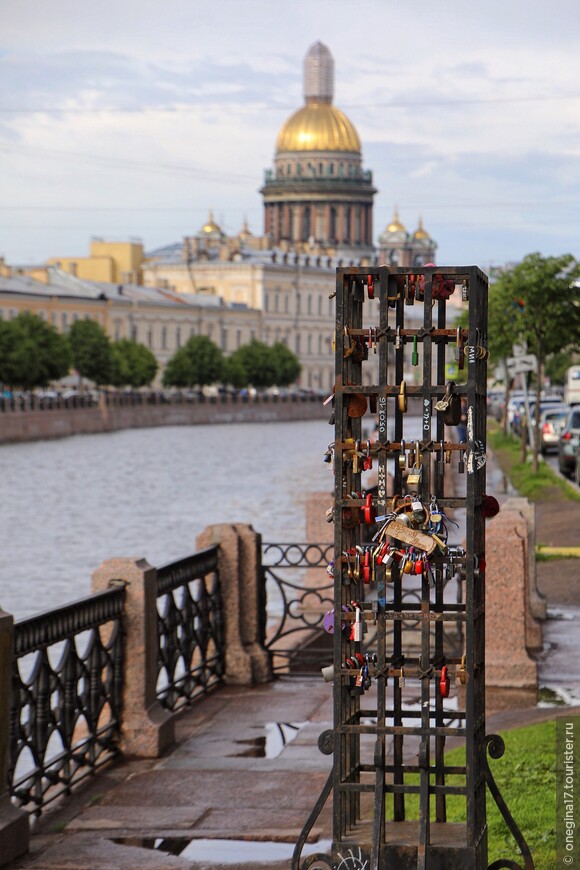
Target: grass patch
{"type": "Point", "coordinates": [526, 778]}
{"type": "Point", "coordinates": [542, 485]}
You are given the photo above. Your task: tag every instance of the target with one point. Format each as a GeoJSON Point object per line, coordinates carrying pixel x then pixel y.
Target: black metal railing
{"type": "Point", "coordinates": [298, 592]}
{"type": "Point", "coordinates": [26, 402]}
{"type": "Point", "coordinates": [191, 629]}
{"type": "Point", "coordinates": [66, 697]}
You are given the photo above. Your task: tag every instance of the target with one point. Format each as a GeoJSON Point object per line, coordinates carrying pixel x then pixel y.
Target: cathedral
{"type": "Point", "coordinates": [275, 286]}
{"type": "Point", "coordinates": [318, 198]}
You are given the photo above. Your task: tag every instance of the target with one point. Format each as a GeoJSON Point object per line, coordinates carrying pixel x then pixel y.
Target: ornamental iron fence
{"type": "Point", "coordinates": [65, 713]}
{"type": "Point", "coordinates": [190, 621]}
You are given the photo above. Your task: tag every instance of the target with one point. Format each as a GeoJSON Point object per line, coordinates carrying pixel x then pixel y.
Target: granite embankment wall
{"type": "Point", "coordinates": [36, 425]}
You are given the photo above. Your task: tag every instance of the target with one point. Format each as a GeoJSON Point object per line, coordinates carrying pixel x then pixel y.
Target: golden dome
{"type": "Point", "coordinates": [396, 226]}
{"type": "Point", "coordinates": [421, 232]}
{"type": "Point", "coordinates": [318, 126]}
{"type": "Point", "coordinates": [211, 226]}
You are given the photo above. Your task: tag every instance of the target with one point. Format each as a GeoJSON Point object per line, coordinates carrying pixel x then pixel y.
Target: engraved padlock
{"type": "Point", "coordinates": [450, 405]}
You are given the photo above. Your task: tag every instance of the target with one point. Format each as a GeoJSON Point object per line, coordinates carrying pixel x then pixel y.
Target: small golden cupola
{"type": "Point", "coordinates": [396, 226]}
{"type": "Point", "coordinates": [421, 233]}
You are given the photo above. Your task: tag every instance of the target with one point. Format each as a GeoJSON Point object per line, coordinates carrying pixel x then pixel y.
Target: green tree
{"type": "Point", "coordinates": [542, 303]}
{"type": "Point", "coordinates": [91, 351]}
{"type": "Point", "coordinates": [199, 362]}
{"type": "Point", "coordinates": [235, 372]}
{"type": "Point", "coordinates": [133, 364]}
{"type": "Point", "coordinates": [258, 362]}
{"type": "Point", "coordinates": [287, 365]}
{"type": "Point", "coordinates": [32, 352]}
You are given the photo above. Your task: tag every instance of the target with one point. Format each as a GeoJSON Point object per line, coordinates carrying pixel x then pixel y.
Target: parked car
{"type": "Point", "coordinates": [520, 420]}
{"type": "Point", "coordinates": [552, 422]}
{"type": "Point", "coordinates": [569, 442]}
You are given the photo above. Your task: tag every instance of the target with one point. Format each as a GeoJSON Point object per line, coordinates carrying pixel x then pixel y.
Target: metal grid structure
{"type": "Point", "coordinates": [387, 757]}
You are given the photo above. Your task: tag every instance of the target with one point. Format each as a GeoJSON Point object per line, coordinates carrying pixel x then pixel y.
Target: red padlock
{"type": "Point", "coordinates": [371, 286]}
{"type": "Point", "coordinates": [444, 682]}
{"type": "Point", "coordinates": [367, 567]}
{"type": "Point", "coordinates": [368, 510]}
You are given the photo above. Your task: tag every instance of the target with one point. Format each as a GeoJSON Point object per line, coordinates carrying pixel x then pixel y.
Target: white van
{"type": "Point", "coordinates": [572, 388]}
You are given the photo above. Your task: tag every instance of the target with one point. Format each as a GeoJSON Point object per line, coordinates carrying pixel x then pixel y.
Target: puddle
{"type": "Point", "coordinates": [235, 852]}
{"type": "Point", "coordinates": [271, 744]}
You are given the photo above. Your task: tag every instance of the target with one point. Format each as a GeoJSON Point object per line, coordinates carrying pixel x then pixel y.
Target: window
{"type": "Point", "coordinates": [309, 304]}
{"type": "Point", "coordinates": [276, 301]}
{"type": "Point", "coordinates": [150, 337]}
{"type": "Point", "coordinates": [224, 338]}
{"type": "Point", "coordinates": [134, 332]}
{"type": "Point", "coordinates": [178, 336]}
{"type": "Point", "coordinates": [298, 343]}
{"type": "Point", "coordinates": [320, 304]}
{"type": "Point", "coordinates": [319, 343]}
{"type": "Point", "coordinates": [286, 303]}
{"type": "Point", "coordinates": [266, 301]}
{"type": "Point", "coordinates": [238, 338]}
{"type": "Point", "coordinates": [308, 344]}
{"type": "Point", "coordinates": [163, 337]}
{"type": "Point", "coordinates": [63, 321]}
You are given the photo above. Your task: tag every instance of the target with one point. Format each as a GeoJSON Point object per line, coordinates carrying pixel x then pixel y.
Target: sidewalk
{"type": "Point", "coordinates": [246, 770]}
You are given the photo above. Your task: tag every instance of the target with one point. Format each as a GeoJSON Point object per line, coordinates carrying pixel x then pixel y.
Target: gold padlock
{"type": "Point", "coordinates": [402, 397]}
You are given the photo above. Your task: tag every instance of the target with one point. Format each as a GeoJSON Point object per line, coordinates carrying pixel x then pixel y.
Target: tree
{"type": "Point", "coordinates": [32, 352]}
{"type": "Point", "coordinates": [259, 363]}
{"type": "Point", "coordinates": [91, 351]}
{"type": "Point", "coordinates": [235, 372]}
{"type": "Point", "coordinates": [133, 364]}
{"type": "Point", "coordinates": [542, 304]}
{"type": "Point", "coordinates": [287, 365]}
{"type": "Point", "coordinates": [199, 362]}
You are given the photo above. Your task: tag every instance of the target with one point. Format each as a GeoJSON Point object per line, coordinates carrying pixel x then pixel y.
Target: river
{"type": "Point", "coordinates": [69, 504]}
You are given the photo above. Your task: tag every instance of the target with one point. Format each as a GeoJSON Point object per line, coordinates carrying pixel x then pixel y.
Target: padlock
{"type": "Point", "coordinates": [370, 287]}
{"type": "Point", "coordinates": [450, 405]}
{"type": "Point", "coordinates": [368, 510]}
{"type": "Point", "coordinates": [462, 672]}
{"type": "Point", "coordinates": [402, 458]}
{"type": "Point", "coordinates": [415, 353]}
{"type": "Point", "coordinates": [444, 684]}
{"type": "Point", "coordinates": [402, 397]}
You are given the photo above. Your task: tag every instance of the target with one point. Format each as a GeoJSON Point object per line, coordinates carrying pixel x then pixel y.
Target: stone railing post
{"type": "Point", "coordinates": [238, 566]}
{"type": "Point", "coordinates": [537, 601]}
{"type": "Point", "coordinates": [14, 830]}
{"type": "Point", "coordinates": [252, 601]}
{"type": "Point", "coordinates": [511, 676]}
{"type": "Point", "coordinates": [147, 729]}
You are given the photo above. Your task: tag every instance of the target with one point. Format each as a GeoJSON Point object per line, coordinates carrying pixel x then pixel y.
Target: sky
{"type": "Point", "coordinates": [131, 120]}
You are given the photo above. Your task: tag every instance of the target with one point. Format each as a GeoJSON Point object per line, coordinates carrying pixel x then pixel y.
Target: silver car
{"type": "Point", "coordinates": [552, 422]}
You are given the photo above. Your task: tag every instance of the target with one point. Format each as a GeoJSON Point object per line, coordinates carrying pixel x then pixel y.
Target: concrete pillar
{"type": "Point", "coordinates": [147, 729]}
{"type": "Point", "coordinates": [240, 663]}
{"type": "Point", "coordinates": [14, 830]}
{"type": "Point", "coordinates": [511, 676]}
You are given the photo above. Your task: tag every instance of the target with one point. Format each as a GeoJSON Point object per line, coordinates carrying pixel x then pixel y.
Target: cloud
{"type": "Point", "coordinates": [465, 113]}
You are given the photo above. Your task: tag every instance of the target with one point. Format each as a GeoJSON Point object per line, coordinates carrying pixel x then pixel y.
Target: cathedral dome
{"type": "Point", "coordinates": [211, 228]}
{"type": "Point", "coordinates": [396, 226]}
{"type": "Point", "coordinates": [318, 126]}
{"type": "Point", "coordinates": [421, 232]}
